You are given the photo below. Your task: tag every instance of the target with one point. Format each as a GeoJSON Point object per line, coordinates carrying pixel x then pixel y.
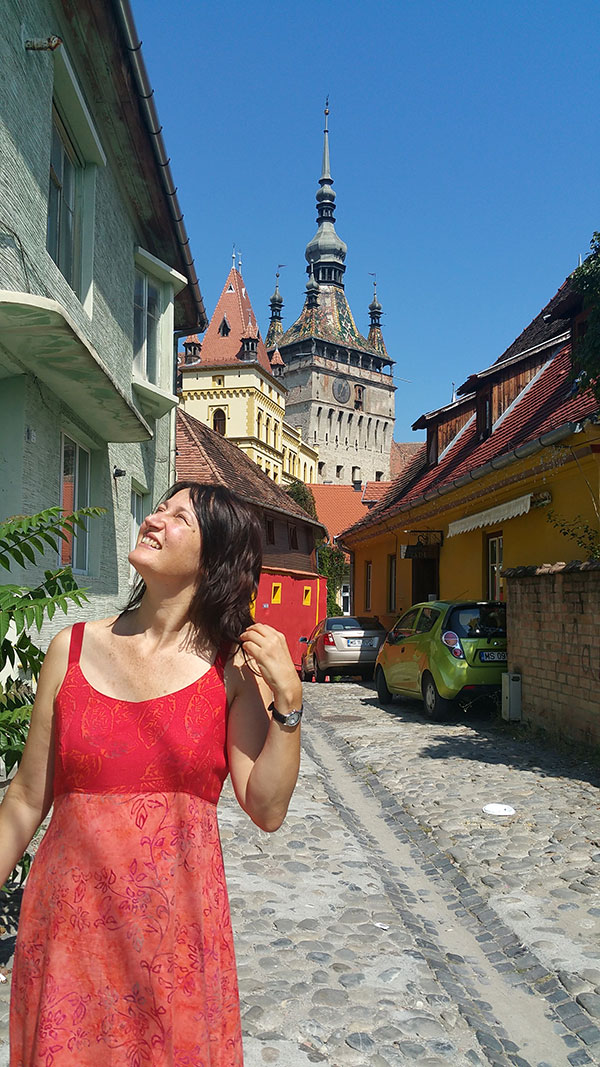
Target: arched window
{"type": "Point", "coordinates": [304, 478]}
{"type": "Point", "coordinates": [259, 424]}
{"type": "Point", "coordinates": [219, 421]}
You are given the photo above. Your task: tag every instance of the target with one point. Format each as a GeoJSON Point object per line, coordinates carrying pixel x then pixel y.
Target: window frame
{"type": "Point", "coordinates": [80, 536]}
{"type": "Point", "coordinates": [140, 344]}
{"type": "Point", "coordinates": [56, 244]}
{"type": "Point", "coordinates": [392, 577]}
{"type": "Point", "coordinates": [368, 583]}
{"type": "Point", "coordinates": [494, 580]}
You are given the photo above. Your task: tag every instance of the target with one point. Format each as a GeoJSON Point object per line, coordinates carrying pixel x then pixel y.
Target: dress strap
{"type": "Point", "coordinates": [76, 642]}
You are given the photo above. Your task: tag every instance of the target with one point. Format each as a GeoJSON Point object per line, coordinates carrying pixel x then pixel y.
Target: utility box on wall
{"type": "Point", "coordinates": [511, 696]}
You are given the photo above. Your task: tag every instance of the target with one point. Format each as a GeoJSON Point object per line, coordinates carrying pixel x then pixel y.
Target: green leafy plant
{"type": "Point", "coordinates": [302, 494]}
{"type": "Point", "coordinates": [23, 609]}
{"type": "Point", "coordinates": [586, 351]}
{"type": "Point", "coordinates": [580, 531]}
{"type": "Point", "coordinates": [331, 562]}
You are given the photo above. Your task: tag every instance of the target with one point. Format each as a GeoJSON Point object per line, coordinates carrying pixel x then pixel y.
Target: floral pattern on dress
{"type": "Point", "coordinates": [125, 951]}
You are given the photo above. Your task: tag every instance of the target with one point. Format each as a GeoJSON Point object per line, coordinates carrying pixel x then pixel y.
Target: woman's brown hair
{"type": "Point", "coordinates": [228, 567]}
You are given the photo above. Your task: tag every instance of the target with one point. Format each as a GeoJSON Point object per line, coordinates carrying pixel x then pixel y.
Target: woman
{"type": "Point", "coordinates": [125, 954]}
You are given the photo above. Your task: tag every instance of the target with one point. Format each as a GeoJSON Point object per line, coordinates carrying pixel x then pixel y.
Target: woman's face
{"type": "Point", "coordinates": [169, 541]}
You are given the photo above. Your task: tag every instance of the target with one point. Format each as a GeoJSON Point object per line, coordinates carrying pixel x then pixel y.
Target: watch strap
{"type": "Point", "coordinates": [295, 715]}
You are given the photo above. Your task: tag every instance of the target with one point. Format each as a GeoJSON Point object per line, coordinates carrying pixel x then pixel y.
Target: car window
{"type": "Point", "coordinates": [352, 622]}
{"type": "Point", "coordinates": [478, 620]}
{"type": "Point", "coordinates": [406, 623]}
{"type": "Point", "coordinates": [427, 620]}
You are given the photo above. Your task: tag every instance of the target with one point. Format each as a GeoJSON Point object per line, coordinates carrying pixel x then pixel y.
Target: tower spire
{"type": "Point", "coordinates": [275, 330]}
{"type": "Point", "coordinates": [326, 169]}
{"type": "Point", "coordinates": [326, 253]}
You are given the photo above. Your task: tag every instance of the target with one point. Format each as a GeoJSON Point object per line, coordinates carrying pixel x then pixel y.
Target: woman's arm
{"type": "Point", "coordinates": [29, 796]}
{"type": "Point", "coordinates": [264, 755]}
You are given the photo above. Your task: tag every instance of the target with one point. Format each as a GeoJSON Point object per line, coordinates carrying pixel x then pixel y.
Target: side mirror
{"type": "Point", "coordinates": [303, 640]}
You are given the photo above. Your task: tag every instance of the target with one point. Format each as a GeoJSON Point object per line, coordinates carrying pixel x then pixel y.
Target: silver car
{"type": "Point", "coordinates": [342, 644]}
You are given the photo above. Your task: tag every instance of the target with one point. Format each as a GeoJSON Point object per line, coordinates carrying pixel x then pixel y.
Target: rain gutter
{"type": "Point", "coordinates": [146, 96]}
{"type": "Point", "coordinates": [497, 463]}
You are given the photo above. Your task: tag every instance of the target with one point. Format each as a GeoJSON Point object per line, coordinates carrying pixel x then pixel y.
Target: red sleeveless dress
{"type": "Point", "coordinates": [124, 954]}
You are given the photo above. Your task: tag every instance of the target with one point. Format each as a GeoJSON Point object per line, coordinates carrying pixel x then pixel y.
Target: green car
{"type": "Point", "coordinates": [444, 651]}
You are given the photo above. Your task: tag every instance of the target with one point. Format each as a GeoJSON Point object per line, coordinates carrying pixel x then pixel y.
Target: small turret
{"type": "Point", "coordinates": [375, 337]}
{"type": "Point", "coordinates": [275, 330]}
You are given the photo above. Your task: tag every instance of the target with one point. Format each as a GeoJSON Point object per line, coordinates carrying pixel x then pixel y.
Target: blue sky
{"type": "Point", "coordinates": [464, 151]}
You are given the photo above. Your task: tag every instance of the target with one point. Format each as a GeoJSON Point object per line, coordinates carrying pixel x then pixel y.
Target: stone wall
{"type": "Point", "coordinates": [554, 643]}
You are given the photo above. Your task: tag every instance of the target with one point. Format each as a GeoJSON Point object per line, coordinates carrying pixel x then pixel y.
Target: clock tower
{"type": "Point", "coordinates": [340, 388]}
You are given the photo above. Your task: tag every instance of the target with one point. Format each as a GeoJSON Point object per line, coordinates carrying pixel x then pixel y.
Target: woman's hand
{"type": "Point", "coordinates": [269, 651]}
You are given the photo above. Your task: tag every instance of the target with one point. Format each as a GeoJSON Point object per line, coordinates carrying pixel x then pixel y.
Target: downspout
{"type": "Point", "coordinates": [146, 97]}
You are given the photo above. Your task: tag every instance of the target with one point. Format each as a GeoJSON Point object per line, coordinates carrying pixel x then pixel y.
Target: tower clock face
{"type": "Point", "coordinates": [341, 390]}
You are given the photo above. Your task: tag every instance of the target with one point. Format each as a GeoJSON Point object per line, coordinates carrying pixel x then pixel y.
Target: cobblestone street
{"type": "Point", "coordinates": [391, 922]}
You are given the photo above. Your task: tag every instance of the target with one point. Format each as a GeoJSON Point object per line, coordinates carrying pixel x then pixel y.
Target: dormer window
{"type": "Point", "coordinates": [192, 351]}
{"type": "Point", "coordinates": [224, 328]}
{"type": "Point", "coordinates": [249, 347]}
{"type": "Point", "coordinates": [432, 445]}
{"type": "Point", "coordinates": [484, 414]}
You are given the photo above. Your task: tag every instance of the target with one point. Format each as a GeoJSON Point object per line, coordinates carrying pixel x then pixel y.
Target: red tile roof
{"type": "Point", "coordinates": [401, 453]}
{"type": "Point", "coordinates": [233, 307]}
{"type": "Point", "coordinates": [338, 506]}
{"type": "Point", "coordinates": [546, 403]}
{"type": "Point", "coordinates": [373, 492]}
{"type": "Point", "coordinates": [206, 456]}
{"type": "Point", "coordinates": [276, 360]}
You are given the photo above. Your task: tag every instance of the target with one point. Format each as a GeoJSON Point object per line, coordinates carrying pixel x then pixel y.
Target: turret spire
{"type": "Point", "coordinates": [326, 253]}
{"type": "Point", "coordinates": [275, 330]}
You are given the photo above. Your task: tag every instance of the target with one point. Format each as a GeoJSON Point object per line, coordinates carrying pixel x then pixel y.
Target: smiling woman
{"type": "Point", "coordinates": [137, 722]}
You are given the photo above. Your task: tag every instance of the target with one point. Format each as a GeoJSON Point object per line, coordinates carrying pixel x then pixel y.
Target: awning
{"type": "Point", "coordinates": [519, 506]}
{"type": "Point", "coordinates": [37, 336]}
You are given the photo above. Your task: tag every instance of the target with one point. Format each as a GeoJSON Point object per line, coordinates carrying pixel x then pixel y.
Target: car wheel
{"type": "Point", "coordinates": [434, 705]}
{"type": "Point", "coordinates": [320, 672]}
{"type": "Point", "coordinates": [383, 694]}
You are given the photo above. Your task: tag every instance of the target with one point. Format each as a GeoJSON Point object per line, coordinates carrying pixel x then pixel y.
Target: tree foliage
{"type": "Point", "coordinates": [24, 609]}
{"type": "Point", "coordinates": [580, 531]}
{"type": "Point", "coordinates": [332, 565]}
{"type": "Point", "coordinates": [302, 494]}
{"type": "Point", "coordinates": [586, 352]}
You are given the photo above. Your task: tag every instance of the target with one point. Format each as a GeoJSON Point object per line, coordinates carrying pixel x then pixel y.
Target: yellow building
{"type": "Point", "coordinates": [517, 452]}
{"type": "Point", "coordinates": [228, 382]}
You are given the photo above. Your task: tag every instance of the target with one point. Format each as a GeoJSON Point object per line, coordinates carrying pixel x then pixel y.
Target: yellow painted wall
{"type": "Point", "coordinates": [527, 539]}
{"type": "Point", "coordinates": [246, 392]}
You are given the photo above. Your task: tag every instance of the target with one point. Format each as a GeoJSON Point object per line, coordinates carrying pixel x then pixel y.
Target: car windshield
{"type": "Point", "coordinates": [350, 622]}
{"type": "Point", "coordinates": [478, 620]}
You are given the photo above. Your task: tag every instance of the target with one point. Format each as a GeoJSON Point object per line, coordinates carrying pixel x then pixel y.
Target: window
{"type": "Point", "coordinates": [62, 236]}
{"type": "Point", "coordinates": [321, 469]}
{"type": "Point", "coordinates": [224, 328]}
{"type": "Point", "coordinates": [484, 414]}
{"type": "Point", "coordinates": [391, 570]}
{"type": "Point", "coordinates": [293, 536]}
{"type": "Point", "coordinates": [359, 396]}
{"type": "Point", "coordinates": [74, 494]}
{"type": "Point", "coordinates": [368, 577]}
{"type": "Point", "coordinates": [356, 476]}
{"type": "Point", "coordinates": [406, 624]}
{"type": "Point", "coordinates": [147, 310]}
{"type": "Point", "coordinates": [427, 618]}
{"type": "Point", "coordinates": [494, 567]}
{"type": "Point", "coordinates": [339, 471]}
{"type": "Point", "coordinates": [378, 476]}
{"type": "Point", "coordinates": [259, 425]}
{"type": "Point", "coordinates": [218, 381]}
{"type": "Point", "coordinates": [219, 421]}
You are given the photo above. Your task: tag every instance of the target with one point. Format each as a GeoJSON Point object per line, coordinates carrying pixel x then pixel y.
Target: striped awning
{"type": "Point", "coordinates": [491, 516]}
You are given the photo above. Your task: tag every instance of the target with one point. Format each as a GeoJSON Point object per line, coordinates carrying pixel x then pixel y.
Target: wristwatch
{"type": "Point", "coordinates": [287, 720]}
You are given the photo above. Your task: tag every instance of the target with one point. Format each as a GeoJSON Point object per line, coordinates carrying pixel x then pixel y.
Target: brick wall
{"type": "Point", "coordinates": [554, 643]}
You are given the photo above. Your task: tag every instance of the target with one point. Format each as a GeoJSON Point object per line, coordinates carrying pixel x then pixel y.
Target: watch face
{"type": "Point", "coordinates": [293, 718]}
{"type": "Point", "coordinates": [341, 390]}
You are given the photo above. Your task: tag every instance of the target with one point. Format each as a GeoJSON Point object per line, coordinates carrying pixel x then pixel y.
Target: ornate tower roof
{"type": "Point", "coordinates": [275, 331]}
{"type": "Point", "coordinates": [233, 335]}
{"type": "Point", "coordinates": [375, 335]}
{"type": "Point", "coordinates": [326, 315]}
{"type": "Point", "coordinates": [326, 253]}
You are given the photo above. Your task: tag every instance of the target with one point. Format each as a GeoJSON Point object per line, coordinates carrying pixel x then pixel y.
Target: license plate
{"type": "Point", "coordinates": [492, 655]}
{"type": "Point", "coordinates": [359, 642]}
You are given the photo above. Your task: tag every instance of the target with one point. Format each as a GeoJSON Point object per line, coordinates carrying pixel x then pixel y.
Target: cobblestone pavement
{"type": "Point", "coordinates": [391, 922]}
